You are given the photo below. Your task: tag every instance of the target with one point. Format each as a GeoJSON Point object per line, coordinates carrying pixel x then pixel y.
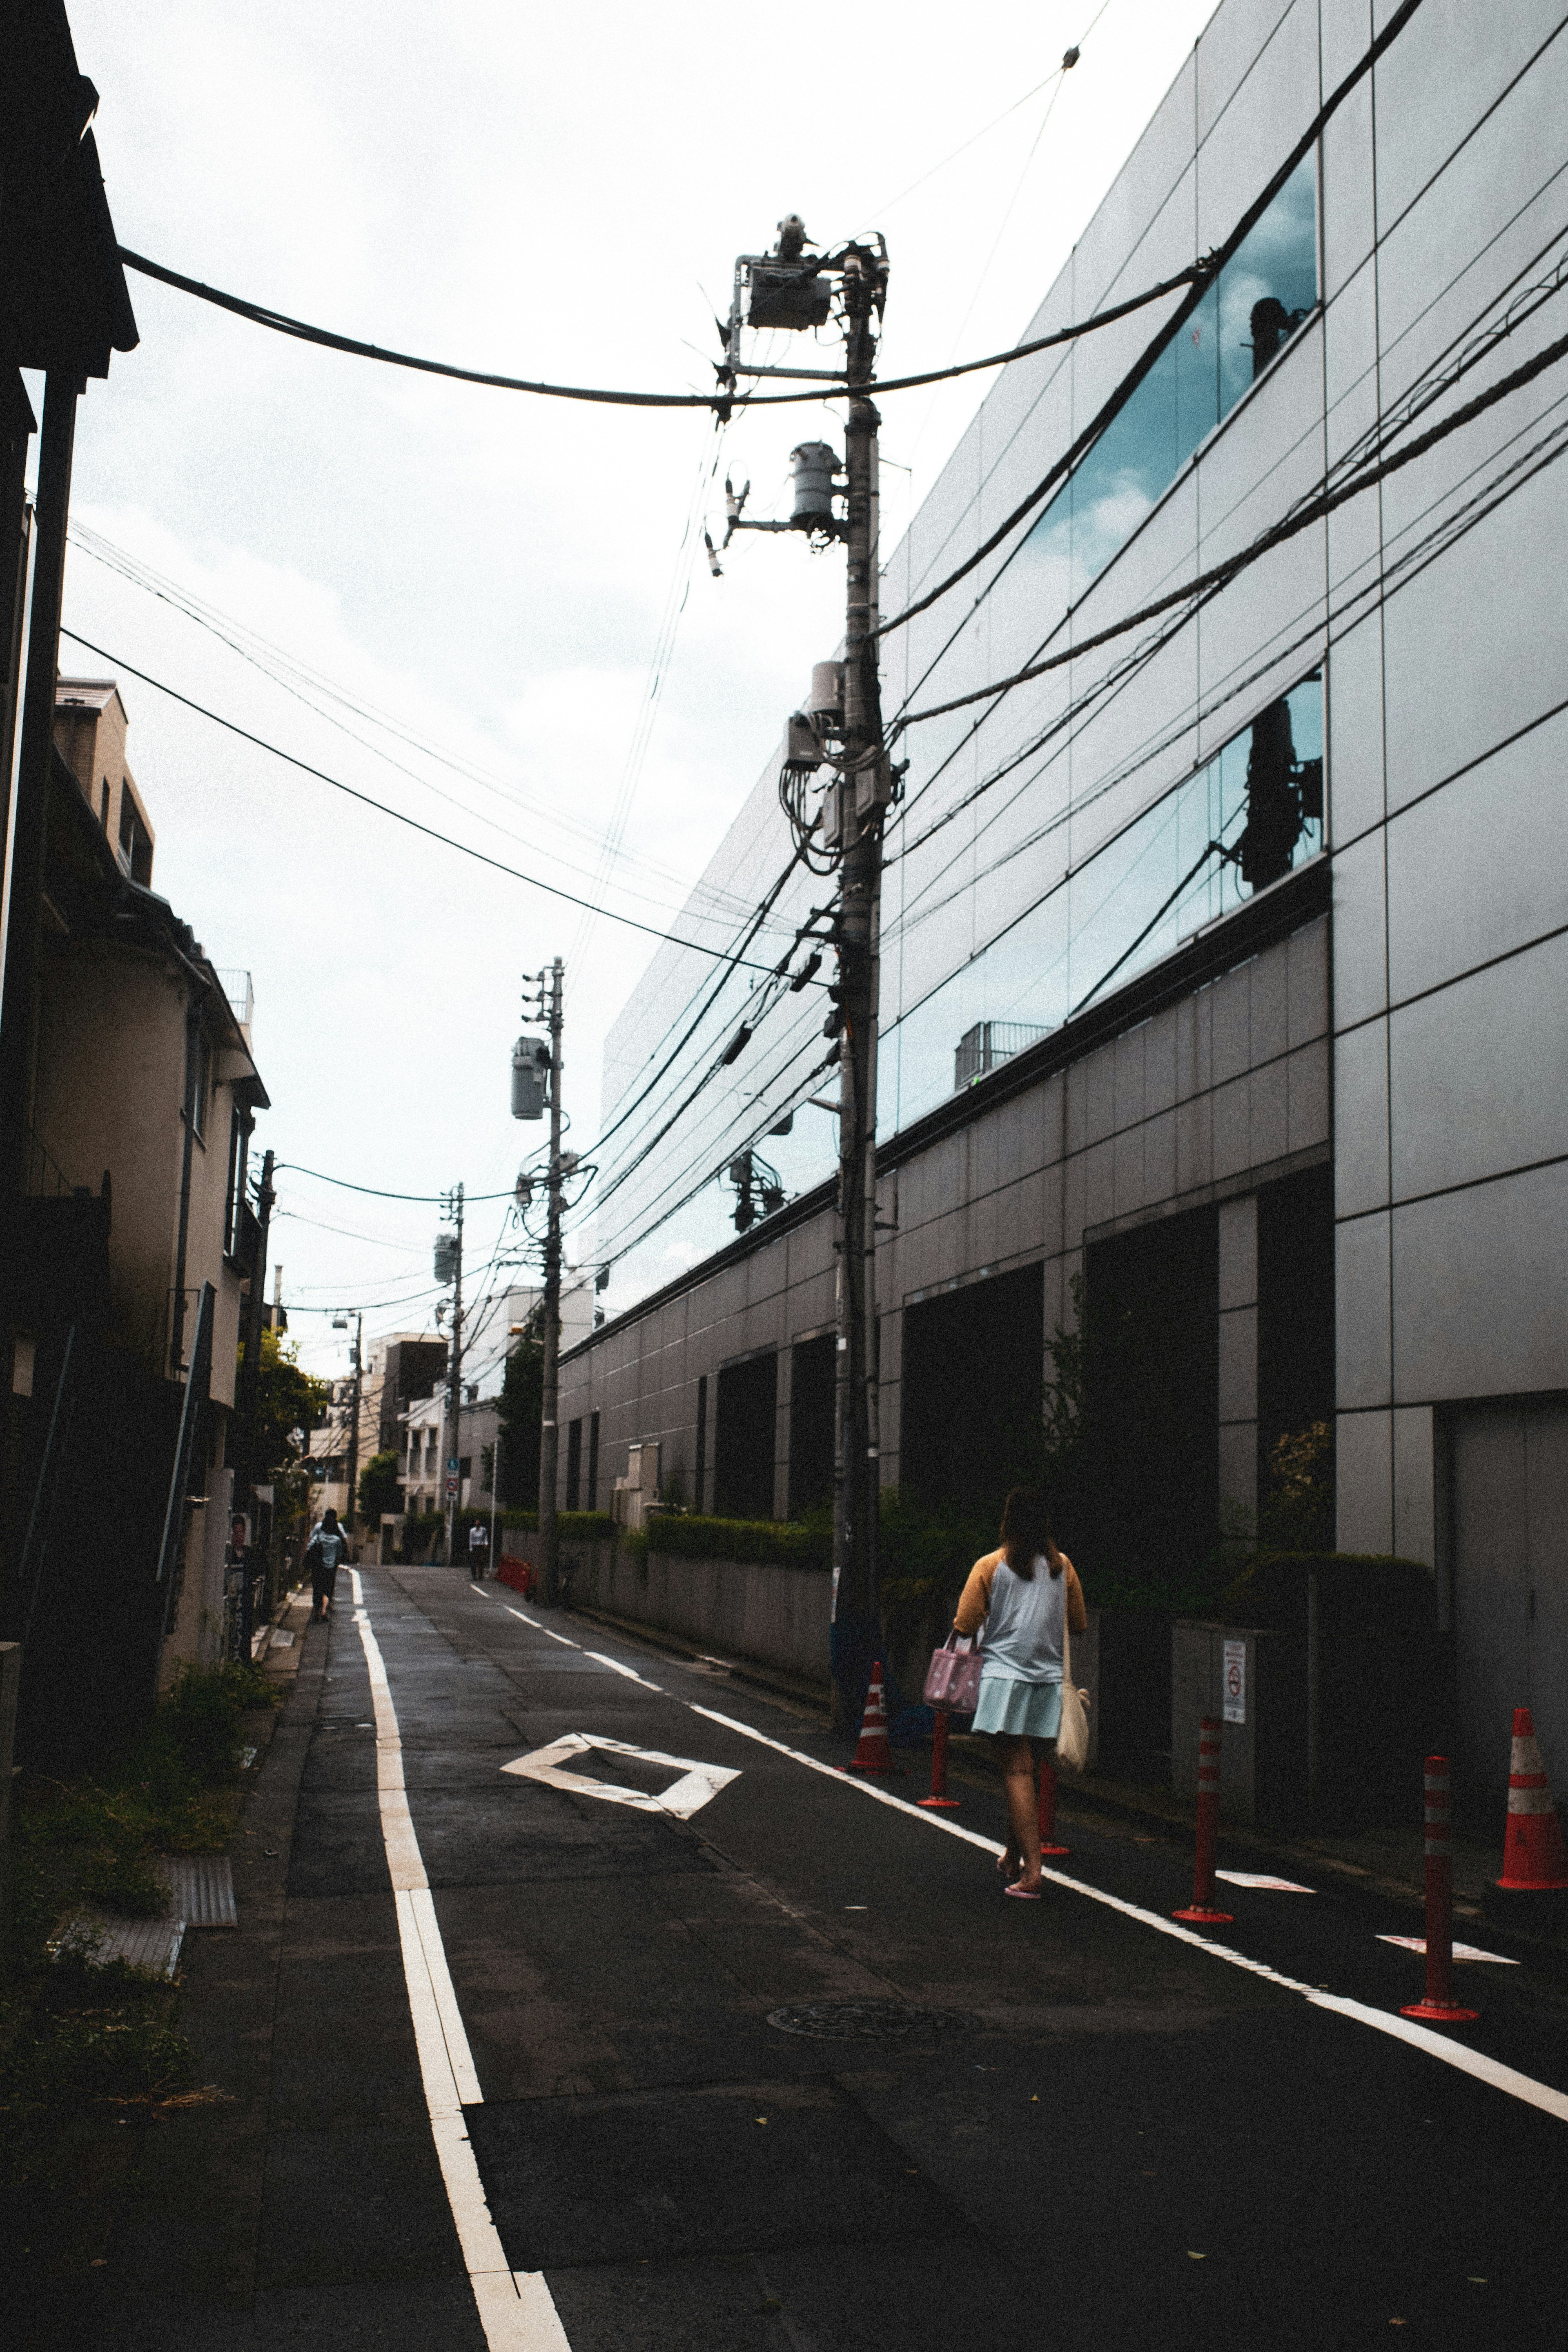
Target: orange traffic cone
{"type": "Point", "coordinates": [1533, 1859]}
{"type": "Point", "coordinates": [874, 1754]}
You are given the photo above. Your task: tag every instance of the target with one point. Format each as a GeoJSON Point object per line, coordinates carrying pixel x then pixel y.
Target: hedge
{"type": "Point", "coordinates": [577, 1527]}
{"type": "Point", "coordinates": [776, 1542]}
{"type": "Point", "coordinates": [1375, 1591]}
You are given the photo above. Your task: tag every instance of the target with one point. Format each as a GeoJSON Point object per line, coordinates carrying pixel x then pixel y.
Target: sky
{"type": "Point", "coordinates": [490, 612]}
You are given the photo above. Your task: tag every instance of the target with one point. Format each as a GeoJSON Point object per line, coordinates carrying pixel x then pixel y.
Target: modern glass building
{"type": "Point", "coordinates": [1222, 963]}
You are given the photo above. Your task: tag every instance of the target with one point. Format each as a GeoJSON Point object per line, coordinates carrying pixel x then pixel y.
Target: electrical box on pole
{"type": "Point", "coordinates": [530, 1077]}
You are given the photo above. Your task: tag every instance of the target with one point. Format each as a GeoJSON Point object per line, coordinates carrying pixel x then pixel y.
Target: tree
{"type": "Point", "coordinates": [378, 1489]}
{"type": "Point", "coordinates": [522, 1410]}
{"type": "Point", "coordinates": [289, 1400]}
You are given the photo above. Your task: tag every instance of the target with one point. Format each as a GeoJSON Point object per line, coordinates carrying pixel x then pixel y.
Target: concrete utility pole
{"type": "Point", "coordinates": [549, 1426]}
{"type": "Point", "coordinates": [862, 791]}
{"type": "Point", "coordinates": [454, 1208]}
{"type": "Point", "coordinates": [249, 1399]}
{"type": "Point", "coordinates": [353, 1426]}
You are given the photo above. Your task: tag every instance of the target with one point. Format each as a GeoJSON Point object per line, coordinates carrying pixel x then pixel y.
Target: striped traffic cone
{"type": "Point", "coordinates": [1534, 1861]}
{"type": "Point", "coordinates": [874, 1753]}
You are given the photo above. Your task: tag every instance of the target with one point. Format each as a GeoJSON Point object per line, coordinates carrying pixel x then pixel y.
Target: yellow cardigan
{"type": "Point", "coordinates": [974, 1604]}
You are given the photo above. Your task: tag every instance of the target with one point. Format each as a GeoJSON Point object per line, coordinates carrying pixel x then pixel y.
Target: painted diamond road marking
{"type": "Point", "coordinates": [697, 1785]}
{"type": "Point", "coordinates": [1461, 1951]}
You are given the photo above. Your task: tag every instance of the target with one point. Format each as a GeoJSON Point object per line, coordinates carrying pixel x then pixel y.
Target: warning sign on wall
{"type": "Point", "coordinates": [1233, 1683]}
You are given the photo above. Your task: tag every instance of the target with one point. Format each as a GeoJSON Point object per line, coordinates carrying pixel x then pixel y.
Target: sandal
{"type": "Point", "coordinates": [1022, 1894]}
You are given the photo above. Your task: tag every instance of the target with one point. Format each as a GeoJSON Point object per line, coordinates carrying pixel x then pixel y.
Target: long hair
{"type": "Point", "coordinates": [1026, 1532]}
{"type": "Point", "coordinates": [330, 1518]}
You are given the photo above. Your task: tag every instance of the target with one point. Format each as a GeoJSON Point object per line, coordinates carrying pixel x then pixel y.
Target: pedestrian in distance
{"type": "Point", "coordinates": [478, 1550]}
{"type": "Point", "coordinates": [1024, 1595]}
{"type": "Point", "coordinates": [326, 1548]}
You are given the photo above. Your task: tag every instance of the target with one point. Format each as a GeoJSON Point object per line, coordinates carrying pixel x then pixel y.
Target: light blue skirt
{"type": "Point", "coordinates": [1030, 1710]}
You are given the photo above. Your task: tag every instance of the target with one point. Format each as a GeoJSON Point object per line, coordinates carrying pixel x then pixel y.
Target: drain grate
{"type": "Point", "coordinates": [860, 2021]}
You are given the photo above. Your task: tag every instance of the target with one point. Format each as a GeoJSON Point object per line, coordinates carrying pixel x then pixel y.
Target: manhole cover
{"type": "Point", "coordinates": [859, 2021]}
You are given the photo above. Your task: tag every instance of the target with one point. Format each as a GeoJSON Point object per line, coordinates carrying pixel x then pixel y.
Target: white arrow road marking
{"type": "Point", "coordinates": [697, 1785]}
{"type": "Point", "coordinates": [517, 2310]}
{"type": "Point", "coordinates": [1263, 1882]}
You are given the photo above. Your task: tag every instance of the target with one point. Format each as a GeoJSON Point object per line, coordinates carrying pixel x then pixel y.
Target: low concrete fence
{"type": "Point", "coordinates": [764, 1613]}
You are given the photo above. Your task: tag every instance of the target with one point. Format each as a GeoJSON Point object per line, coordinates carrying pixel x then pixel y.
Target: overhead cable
{"type": "Point", "coordinates": [1310, 510]}
{"type": "Point", "coordinates": [433, 1200]}
{"type": "Point", "coordinates": [1516, 303]}
{"type": "Point", "coordinates": [1198, 278]}
{"type": "Point", "coordinates": [464, 848]}
{"type": "Point", "coordinates": [721, 404]}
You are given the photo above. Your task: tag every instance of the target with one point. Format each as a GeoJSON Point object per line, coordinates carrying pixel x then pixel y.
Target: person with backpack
{"type": "Point", "coordinates": [1024, 1613]}
{"type": "Point", "coordinates": [326, 1548]}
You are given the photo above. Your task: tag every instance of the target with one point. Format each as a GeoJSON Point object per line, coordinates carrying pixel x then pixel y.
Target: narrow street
{"type": "Point", "coordinates": [1103, 2128]}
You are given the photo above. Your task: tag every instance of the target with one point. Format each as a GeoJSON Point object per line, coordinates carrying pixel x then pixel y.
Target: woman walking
{"type": "Point", "coordinates": [1023, 1594]}
{"type": "Point", "coordinates": [326, 1547]}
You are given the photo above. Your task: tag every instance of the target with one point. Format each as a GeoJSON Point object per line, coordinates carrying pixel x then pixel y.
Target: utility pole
{"type": "Point", "coordinates": [449, 1249]}
{"type": "Point", "coordinates": [863, 790]}
{"type": "Point", "coordinates": [353, 1426]}
{"type": "Point", "coordinates": [791, 287]}
{"type": "Point", "coordinates": [249, 1399]}
{"type": "Point", "coordinates": [549, 1426]}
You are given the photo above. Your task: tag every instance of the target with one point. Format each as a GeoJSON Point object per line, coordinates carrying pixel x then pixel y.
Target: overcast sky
{"type": "Point", "coordinates": [485, 577]}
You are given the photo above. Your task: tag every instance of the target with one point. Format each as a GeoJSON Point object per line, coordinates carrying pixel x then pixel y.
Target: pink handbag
{"type": "Point", "coordinates": [953, 1678]}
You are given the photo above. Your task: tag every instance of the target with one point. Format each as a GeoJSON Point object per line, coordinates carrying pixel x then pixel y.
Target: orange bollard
{"type": "Point", "coordinates": [1048, 1809]}
{"type": "Point", "coordinates": [939, 1800]}
{"type": "Point", "coordinates": [1200, 1908]}
{"type": "Point", "coordinates": [1439, 2007]}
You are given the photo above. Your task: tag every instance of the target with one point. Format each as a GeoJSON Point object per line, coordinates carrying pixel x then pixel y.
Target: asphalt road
{"type": "Point", "coordinates": [1097, 2134]}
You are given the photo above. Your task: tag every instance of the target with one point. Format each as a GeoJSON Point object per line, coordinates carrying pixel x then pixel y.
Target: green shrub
{"type": "Point", "coordinates": [1373, 1590]}
{"type": "Point", "coordinates": [774, 1542]}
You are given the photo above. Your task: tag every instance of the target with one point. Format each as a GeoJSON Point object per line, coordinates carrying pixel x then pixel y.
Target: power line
{"type": "Point", "coordinates": [1219, 575]}
{"type": "Point", "coordinates": [295, 678]}
{"type": "Point", "coordinates": [1198, 278]}
{"type": "Point", "coordinates": [431, 1200]}
{"type": "Point", "coordinates": [721, 404]}
{"type": "Point", "coordinates": [464, 849]}
{"type": "Point", "coordinates": [1512, 308]}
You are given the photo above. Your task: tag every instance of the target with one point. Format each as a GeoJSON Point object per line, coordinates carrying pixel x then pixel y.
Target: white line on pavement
{"type": "Point", "coordinates": [615, 1667]}
{"type": "Point", "coordinates": [1401, 2029]}
{"type": "Point", "coordinates": [517, 2310]}
{"type": "Point", "coordinates": [545, 1629]}
{"type": "Point", "coordinates": [356, 1588]}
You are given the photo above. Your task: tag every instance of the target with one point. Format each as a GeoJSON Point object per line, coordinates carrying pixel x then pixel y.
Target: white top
{"type": "Point", "coordinates": [1024, 1626]}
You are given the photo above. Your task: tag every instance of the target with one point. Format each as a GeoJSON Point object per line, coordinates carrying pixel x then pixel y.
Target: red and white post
{"type": "Point", "coordinates": [1201, 1910]}
{"type": "Point", "coordinates": [1439, 2007]}
{"type": "Point", "coordinates": [939, 1800]}
{"type": "Point", "coordinates": [1048, 1809]}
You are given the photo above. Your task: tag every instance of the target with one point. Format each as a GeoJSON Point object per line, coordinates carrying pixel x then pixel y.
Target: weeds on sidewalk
{"type": "Point", "coordinates": [78, 2037]}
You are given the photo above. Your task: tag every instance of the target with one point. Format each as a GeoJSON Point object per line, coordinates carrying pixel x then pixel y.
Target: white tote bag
{"type": "Point", "coordinates": [1072, 1733]}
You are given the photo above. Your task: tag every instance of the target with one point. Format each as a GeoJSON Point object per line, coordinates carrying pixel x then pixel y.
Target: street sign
{"type": "Point", "coordinates": [1235, 1682]}
{"type": "Point", "coordinates": [451, 1490]}
{"type": "Point", "coordinates": [697, 1783]}
{"type": "Point", "coordinates": [451, 1465]}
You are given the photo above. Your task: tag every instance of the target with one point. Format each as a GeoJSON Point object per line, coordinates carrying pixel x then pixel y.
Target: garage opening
{"type": "Point", "coordinates": [1150, 1494]}
{"type": "Point", "coordinates": [973, 1372]}
{"type": "Point", "coordinates": [812, 1365]}
{"type": "Point", "coordinates": [743, 1439]}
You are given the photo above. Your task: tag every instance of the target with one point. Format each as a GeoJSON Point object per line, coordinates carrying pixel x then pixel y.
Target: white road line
{"type": "Point", "coordinates": [356, 1588]}
{"type": "Point", "coordinates": [616, 1668]}
{"type": "Point", "coordinates": [517, 2310]}
{"type": "Point", "coordinates": [1520, 2087]}
{"type": "Point", "coordinates": [540, 1629]}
